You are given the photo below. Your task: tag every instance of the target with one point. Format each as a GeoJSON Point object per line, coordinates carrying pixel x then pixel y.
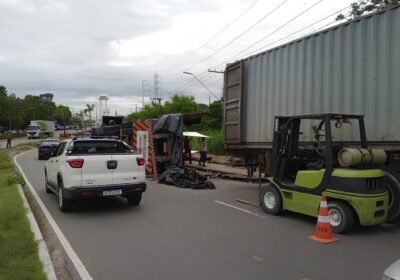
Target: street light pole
{"type": "Point", "coordinates": [210, 92]}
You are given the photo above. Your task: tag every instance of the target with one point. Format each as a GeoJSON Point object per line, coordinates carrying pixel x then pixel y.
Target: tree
{"type": "Point", "coordinates": [3, 91]}
{"type": "Point", "coordinates": [178, 104]}
{"type": "Point", "coordinates": [47, 96]}
{"type": "Point", "coordinates": [214, 119]}
{"type": "Point", "coordinates": [89, 109]}
{"type": "Point", "coordinates": [181, 104]}
{"type": "Point", "coordinates": [63, 115]}
{"type": "Point", "coordinates": [77, 118]}
{"type": "Point", "coordinates": [361, 7]}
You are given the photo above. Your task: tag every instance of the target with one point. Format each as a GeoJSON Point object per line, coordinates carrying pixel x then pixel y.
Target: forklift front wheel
{"type": "Point", "coordinates": [342, 216]}
{"type": "Point", "coordinates": [271, 200]}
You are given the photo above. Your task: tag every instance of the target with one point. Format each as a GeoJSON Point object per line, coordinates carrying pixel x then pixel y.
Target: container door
{"type": "Point", "coordinates": [232, 103]}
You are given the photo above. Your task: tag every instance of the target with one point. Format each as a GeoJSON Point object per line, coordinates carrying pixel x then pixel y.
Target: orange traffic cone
{"type": "Point", "coordinates": [323, 232]}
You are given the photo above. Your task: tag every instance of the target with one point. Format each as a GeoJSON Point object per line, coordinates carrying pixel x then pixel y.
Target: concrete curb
{"type": "Point", "coordinates": [43, 252]}
{"type": "Point", "coordinates": [76, 261]}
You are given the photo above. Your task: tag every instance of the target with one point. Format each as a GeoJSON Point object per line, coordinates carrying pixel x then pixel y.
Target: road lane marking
{"type": "Point", "coordinates": [240, 209]}
{"type": "Point", "coordinates": [79, 266]}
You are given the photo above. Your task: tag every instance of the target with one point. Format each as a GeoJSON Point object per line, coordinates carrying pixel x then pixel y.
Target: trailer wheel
{"type": "Point", "coordinates": [271, 200]}
{"type": "Point", "coordinates": [342, 216]}
{"type": "Point", "coordinates": [393, 187]}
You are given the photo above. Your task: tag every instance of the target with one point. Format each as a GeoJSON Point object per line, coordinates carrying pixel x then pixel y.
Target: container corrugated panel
{"type": "Point", "coordinates": [352, 68]}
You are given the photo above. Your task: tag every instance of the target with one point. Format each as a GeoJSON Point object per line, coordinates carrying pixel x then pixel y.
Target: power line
{"type": "Point", "coordinates": [240, 35]}
{"type": "Point", "coordinates": [291, 34]}
{"type": "Point", "coordinates": [259, 49]}
{"type": "Point", "coordinates": [186, 83]}
{"type": "Point", "coordinates": [194, 83]}
{"type": "Point", "coordinates": [220, 31]}
{"type": "Point", "coordinates": [279, 28]}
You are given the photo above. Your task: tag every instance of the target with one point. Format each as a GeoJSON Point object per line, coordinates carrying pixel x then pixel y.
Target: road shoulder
{"type": "Point", "coordinates": [67, 264]}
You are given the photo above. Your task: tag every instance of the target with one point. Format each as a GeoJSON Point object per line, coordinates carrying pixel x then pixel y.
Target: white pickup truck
{"type": "Point", "coordinates": [87, 167]}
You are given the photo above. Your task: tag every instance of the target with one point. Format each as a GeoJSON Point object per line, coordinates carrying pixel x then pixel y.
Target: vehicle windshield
{"type": "Point", "coordinates": [50, 142]}
{"type": "Point", "coordinates": [98, 147]}
{"type": "Point", "coordinates": [32, 127]}
{"type": "Point", "coordinates": [345, 130]}
{"type": "Point", "coordinates": [342, 130]}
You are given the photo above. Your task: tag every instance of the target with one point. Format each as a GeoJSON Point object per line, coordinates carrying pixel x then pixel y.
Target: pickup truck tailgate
{"type": "Point", "coordinates": [95, 171]}
{"type": "Point", "coordinates": [127, 171]}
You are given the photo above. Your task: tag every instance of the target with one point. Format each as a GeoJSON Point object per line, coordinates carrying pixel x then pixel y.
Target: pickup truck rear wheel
{"type": "Point", "coordinates": [46, 183]}
{"type": "Point", "coordinates": [63, 203]}
{"type": "Point", "coordinates": [134, 199]}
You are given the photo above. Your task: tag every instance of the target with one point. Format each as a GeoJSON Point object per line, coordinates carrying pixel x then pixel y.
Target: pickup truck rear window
{"type": "Point", "coordinates": [98, 147]}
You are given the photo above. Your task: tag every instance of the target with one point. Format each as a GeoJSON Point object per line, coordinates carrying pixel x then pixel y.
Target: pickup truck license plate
{"type": "Point", "coordinates": [112, 192]}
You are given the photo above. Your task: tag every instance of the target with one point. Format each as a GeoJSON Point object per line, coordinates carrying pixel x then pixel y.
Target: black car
{"type": "Point", "coordinates": [47, 147]}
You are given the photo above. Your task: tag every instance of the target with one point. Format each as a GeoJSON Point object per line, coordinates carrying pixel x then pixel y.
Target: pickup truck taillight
{"type": "Point", "coordinates": [75, 163]}
{"type": "Point", "coordinates": [140, 161]}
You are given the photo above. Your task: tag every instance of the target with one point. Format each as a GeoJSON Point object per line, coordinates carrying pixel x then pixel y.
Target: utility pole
{"type": "Point", "coordinates": [156, 93]}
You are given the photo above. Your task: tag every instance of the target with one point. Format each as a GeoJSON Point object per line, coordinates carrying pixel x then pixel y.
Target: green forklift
{"type": "Point", "coordinates": [316, 155]}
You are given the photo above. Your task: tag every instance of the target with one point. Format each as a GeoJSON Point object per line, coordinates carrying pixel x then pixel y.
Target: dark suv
{"type": "Point", "coordinates": [47, 147]}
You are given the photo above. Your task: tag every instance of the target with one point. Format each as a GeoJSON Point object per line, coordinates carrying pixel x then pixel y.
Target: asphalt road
{"type": "Point", "coordinates": [3, 143]}
{"type": "Point", "coordinates": [186, 234]}
{"type": "Point", "coordinates": [16, 141]}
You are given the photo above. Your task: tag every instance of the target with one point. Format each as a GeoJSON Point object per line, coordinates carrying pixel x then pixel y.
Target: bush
{"type": "Point", "coordinates": [216, 143]}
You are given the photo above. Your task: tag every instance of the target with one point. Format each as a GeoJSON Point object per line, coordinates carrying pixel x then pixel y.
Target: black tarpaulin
{"type": "Point", "coordinates": [185, 178]}
{"type": "Point", "coordinates": [173, 125]}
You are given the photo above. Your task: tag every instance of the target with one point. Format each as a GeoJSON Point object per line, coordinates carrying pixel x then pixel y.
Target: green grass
{"type": "Point", "coordinates": [216, 144]}
{"type": "Point", "coordinates": [24, 146]}
{"type": "Point", "coordinates": [18, 251]}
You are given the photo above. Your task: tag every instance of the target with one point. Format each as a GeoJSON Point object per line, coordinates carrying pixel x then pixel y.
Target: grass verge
{"type": "Point", "coordinates": [19, 257]}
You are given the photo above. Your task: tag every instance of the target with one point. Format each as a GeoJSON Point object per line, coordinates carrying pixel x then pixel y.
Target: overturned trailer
{"type": "Point", "coordinates": [160, 140]}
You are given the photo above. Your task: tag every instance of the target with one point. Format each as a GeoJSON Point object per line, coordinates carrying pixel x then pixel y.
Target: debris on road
{"type": "Point", "coordinates": [183, 177]}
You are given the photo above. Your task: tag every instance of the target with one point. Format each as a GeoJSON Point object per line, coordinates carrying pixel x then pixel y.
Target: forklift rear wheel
{"type": "Point", "coordinates": [271, 200]}
{"type": "Point", "coordinates": [393, 187]}
{"type": "Point", "coordinates": [342, 216]}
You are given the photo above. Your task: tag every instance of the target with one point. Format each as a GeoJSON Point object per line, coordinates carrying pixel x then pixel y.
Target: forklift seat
{"type": "Point", "coordinates": [309, 178]}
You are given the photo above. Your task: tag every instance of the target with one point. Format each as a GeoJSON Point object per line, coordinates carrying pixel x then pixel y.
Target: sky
{"type": "Point", "coordinates": [82, 49]}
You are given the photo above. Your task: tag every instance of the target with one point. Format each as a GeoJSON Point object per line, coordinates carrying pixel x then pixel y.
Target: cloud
{"type": "Point", "coordinates": [79, 49]}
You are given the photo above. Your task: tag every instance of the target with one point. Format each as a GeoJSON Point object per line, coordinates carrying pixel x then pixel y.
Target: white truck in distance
{"type": "Point", "coordinates": [37, 129]}
{"type": "Point", "coordinates": [90, 167]}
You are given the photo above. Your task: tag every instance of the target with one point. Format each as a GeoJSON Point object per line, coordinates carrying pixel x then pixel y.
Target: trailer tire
{"type": "Point", "coordinates": [271, 200]}
{"type": "Point", "coordinates": [342, 216]}
{"type": "Point", "coordinates": [393, 187]}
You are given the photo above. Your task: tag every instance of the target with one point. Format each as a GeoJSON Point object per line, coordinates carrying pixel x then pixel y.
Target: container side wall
{"type": "Point", "coordinates": [353, 68]}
